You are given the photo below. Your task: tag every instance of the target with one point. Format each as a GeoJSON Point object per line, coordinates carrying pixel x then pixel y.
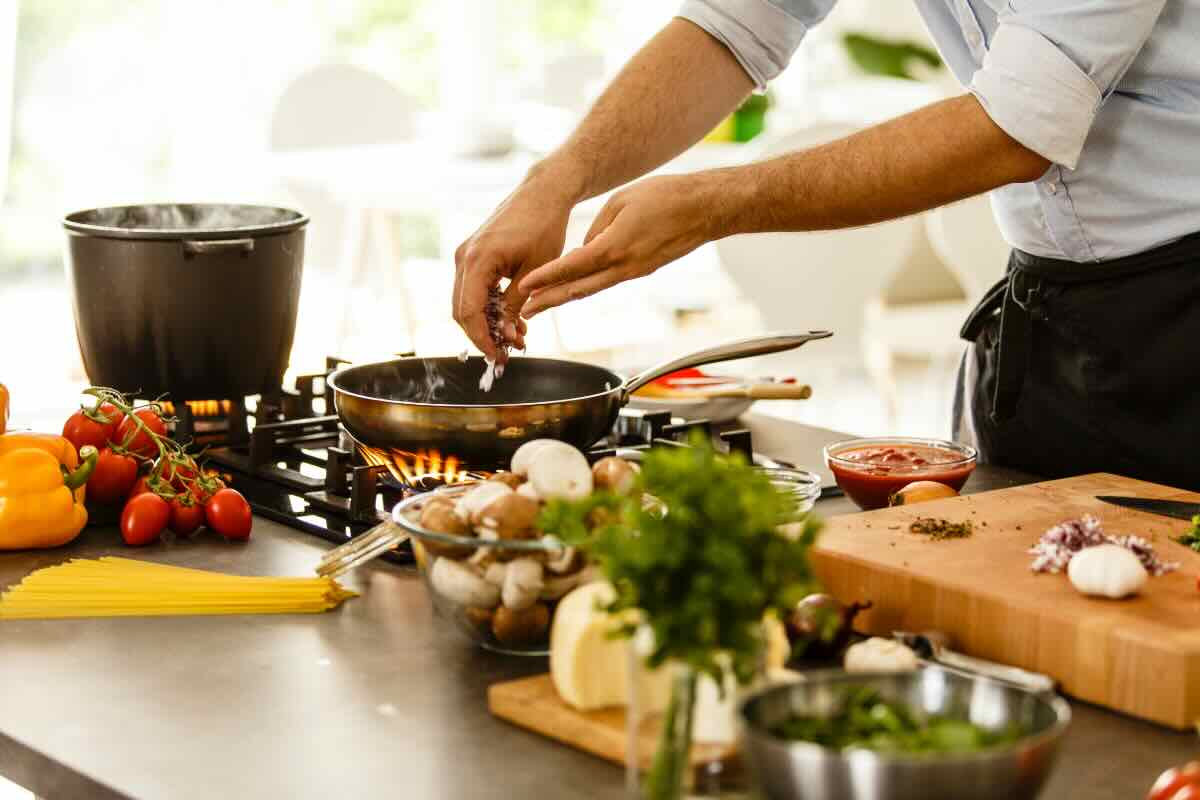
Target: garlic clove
{"type": "Point", "coordinates": [1107, 570]}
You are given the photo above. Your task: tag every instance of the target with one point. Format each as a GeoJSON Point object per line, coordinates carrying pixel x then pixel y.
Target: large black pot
{"type": "Point", "coordinates": [196, 300]}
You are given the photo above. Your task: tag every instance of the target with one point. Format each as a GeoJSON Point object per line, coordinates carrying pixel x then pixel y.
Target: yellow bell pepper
{"type": "Point", "coordinates": [3, 407]}
{"type": "Point", "coordinates": [41, 490]}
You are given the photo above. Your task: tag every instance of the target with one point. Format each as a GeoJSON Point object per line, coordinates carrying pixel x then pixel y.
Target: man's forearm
{"type": "Point", "coordinates": [669, 95]}
{"type": "Point", "coordinates": [936, 155]}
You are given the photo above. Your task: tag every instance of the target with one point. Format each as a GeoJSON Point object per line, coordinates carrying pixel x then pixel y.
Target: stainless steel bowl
{"type": "Point", "coordinates": [804, 771]}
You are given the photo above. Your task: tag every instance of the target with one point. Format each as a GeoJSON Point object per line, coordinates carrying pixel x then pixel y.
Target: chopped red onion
{"type": "Point", "coordinates": [1057, 546]}
{"type": "Point", "coordinates": [495, 320]}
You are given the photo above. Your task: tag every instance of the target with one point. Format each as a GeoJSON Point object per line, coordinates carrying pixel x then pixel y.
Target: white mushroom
{"type": "Point", "coordinates": [567, 560]}
{"type": "Point", "coordinates": [526, 490]}
{"type": "Point", "coordinates": [494, 574]}
{"type": "Point", "coordinates": [880, 655]}
{"type": "Point", "coordinates": [613, 474]}
{"type": "Point", "coordinates": [477, 498]}
{"type": "Point", "coordinates": [560, 472]}
{"type": "Point", "coordinates": [522, 583]}
{"type": "Point", "coordinates": [523, 458]}
{"type": "Point", "coordinates": [462, 585]}
{"type": "Point", "coordinates": [484, 556]}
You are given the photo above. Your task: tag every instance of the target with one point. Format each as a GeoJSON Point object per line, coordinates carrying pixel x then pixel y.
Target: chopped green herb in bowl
{"type": "Point", "coordinates": [867, 720]}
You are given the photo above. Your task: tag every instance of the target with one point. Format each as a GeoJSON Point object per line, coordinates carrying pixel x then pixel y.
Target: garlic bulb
{"type": "Point", "coordinates": [1107, 570]}
{"type": "Point", "coordinates": [880, 655]}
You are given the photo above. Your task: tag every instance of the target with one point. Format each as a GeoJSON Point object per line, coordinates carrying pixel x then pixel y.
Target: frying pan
{"type": "Point", "coordinates": [436, 404]}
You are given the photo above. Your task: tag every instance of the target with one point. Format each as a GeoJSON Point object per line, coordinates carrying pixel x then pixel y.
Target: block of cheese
{"type": "Point", "coordinates": [589, 668]}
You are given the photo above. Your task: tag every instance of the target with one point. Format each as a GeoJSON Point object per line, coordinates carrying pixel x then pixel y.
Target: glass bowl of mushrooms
{"type": "Point", "coordinates": [488, 567]}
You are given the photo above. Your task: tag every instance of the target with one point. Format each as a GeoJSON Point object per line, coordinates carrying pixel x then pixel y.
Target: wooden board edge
{"type": "Point", "coordinates": [609, 747]}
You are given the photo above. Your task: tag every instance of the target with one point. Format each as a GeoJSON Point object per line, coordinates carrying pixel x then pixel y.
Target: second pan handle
{"type": "Point", "coordinates": [758, 346]}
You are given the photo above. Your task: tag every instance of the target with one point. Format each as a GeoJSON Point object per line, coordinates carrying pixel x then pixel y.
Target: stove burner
{"type": "Point", "coordinates": [287, 454]}
{"type": "Point", "coordinates": [423, 470]}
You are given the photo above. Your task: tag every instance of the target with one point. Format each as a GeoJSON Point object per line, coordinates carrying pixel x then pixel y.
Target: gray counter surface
{"type": "Point", "coordinates": [373, 700]}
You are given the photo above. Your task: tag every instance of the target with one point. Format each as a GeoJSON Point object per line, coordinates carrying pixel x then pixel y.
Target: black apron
{"type": "Point", "coordinates": [1077, 368]}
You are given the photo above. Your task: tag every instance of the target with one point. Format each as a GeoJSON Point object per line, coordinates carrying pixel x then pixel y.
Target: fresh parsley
{"type": "Point", "coordinates": [1191, 537]}
{"type": "Point", "coordinates": [700, 565]}
{"type": "Point", "coordinates": [703, 572]}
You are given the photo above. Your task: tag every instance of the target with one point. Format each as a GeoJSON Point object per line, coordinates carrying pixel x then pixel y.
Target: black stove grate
{"type": "Point", "coordinates": [297, 466]}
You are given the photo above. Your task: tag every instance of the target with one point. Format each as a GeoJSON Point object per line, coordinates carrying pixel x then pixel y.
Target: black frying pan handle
{"type": "Point", "coordinates": [758, 346]}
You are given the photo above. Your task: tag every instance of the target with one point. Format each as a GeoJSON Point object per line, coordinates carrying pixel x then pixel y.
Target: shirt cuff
{"type": "Point", "coordinates": [1038, 95]}
{"type": "Point", "coordinates": [761, 36]}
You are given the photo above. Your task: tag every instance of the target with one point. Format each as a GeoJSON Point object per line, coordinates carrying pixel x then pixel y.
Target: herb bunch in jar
{"type": "Point", "coordinates": [700, 575]}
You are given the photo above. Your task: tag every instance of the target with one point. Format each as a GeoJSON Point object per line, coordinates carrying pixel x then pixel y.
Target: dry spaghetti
{"type": "Point", "coordinates": [123, 587]}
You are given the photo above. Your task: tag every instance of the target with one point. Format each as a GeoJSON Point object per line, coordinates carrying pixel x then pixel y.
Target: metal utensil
{"type": "Point", "coordinates": [791, 769]}
{"type": "Point", "coordinates": [436, 403]}
{"type": "Point", "coordinates": [757, 391]}
{"type": "Point", "coordinates": [361, 549]}
{"type": "Point", "coordinates": [1176, 509]}
{"type": "Point", "coordinates": [933, 647]}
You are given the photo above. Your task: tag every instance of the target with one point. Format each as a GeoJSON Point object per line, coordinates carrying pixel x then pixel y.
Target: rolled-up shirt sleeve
{"type": "Point", "coordinates": [761, 34]}
{"type": "Point", "coordinates": [1051, 64]}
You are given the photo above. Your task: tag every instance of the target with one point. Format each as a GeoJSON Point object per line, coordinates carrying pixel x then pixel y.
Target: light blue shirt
{"type": "Point", "coordinates": [1107, 90]}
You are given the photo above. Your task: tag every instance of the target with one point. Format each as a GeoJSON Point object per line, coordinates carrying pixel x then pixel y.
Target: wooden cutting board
{"type": "Point", "coordinates": [1140, 655]}
{"type": "Point", "coordinates": [534, 704]}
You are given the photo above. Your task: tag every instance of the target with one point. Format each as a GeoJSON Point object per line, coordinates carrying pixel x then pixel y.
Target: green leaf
{"type": "Point", "coordinates": [704, 573]}
{"type": "Point", "coordinates": [887, 58]}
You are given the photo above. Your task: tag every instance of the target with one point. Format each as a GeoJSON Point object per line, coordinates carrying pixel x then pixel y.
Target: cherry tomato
{"type": "Point", "coordinates": [114, 476]}
{"type": "Point", "coordinates": [144, 518]}
{"type": "Point", "coordinates": [228, 513]}
{"type": "Point", "coordinates": [134, 439]}
{"type": "Point", "coordinates": [80, 429]}
{"type": "Point", "coordinates": [1174, 783]}
{"type": "Point", "coordinates": [186, 519]}
{"type": "Point", "coordinates": [139, 487]}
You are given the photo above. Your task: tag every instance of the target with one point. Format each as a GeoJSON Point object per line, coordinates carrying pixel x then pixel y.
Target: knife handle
{"type": "Point", "coordinates": [1030, 681]}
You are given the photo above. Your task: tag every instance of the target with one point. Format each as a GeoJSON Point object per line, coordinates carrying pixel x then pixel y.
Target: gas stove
{"type": "Point", "coordinates": [286, 452]}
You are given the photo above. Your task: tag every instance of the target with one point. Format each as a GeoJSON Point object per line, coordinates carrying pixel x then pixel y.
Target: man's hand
{"type": "Point", "coordinates": [526, 231]}
{"type": "Point", "coordinates": [641, 228]}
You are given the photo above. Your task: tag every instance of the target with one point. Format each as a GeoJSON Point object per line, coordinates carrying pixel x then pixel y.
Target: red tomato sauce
{"type": "Point", "coordinates": [872, 474]}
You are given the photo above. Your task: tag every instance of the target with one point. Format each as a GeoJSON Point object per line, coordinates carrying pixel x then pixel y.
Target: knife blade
{"type": "Point", "coordinates": [1177, 509]}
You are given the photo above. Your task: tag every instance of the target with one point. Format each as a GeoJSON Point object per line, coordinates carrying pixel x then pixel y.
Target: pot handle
{"type": "Point", "coordinates": [758, 346]}
{"type": "Point", "coordinates": [196, 247]}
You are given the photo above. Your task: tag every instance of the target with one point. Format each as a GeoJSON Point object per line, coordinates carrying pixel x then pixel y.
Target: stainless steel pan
{"type": "Point", "coordinates": [435, 403]}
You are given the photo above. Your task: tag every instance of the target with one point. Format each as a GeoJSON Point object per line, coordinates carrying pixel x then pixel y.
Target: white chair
{"type": "Point", "coordinates": [342, 106]}
{"type": "Point", "coordinates": [968, 241]}
{"type": "Point", "coordinates": [819, 280]}
{"type": "Point", "coordinates": [965, 239]}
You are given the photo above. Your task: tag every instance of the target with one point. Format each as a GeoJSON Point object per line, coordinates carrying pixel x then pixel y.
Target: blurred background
{"type": "Point", "coordinates": [397, 125]}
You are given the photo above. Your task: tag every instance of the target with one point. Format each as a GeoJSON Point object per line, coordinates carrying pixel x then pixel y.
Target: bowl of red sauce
{"type": "Point", "coordinates": [870, 471]}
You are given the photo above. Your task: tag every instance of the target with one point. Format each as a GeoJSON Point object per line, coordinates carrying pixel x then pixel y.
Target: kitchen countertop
{"type": "Point", "coordinates": [373, 700]}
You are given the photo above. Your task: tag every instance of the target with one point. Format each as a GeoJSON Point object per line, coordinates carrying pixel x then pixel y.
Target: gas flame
{"type": "Point", "coordinates": [422, 469]}
{"type": "Point", "coordinates": [202, 408]}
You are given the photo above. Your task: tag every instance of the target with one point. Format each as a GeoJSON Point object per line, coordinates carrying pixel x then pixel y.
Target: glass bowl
{"type": "Point", "coordinates": [871, 470]}
{"type": "Point", "coordinates": [465, 578]}
{"type": "Point", "coordinates": [803, 486]}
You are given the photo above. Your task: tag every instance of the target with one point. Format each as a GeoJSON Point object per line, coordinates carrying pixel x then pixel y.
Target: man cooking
{"type": "Point", "coordinates": [1081, 117]}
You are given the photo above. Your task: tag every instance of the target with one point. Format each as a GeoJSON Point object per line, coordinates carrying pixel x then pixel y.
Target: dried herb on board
{"type": "Point", "coordinates": [939, 529]}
